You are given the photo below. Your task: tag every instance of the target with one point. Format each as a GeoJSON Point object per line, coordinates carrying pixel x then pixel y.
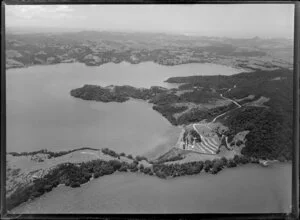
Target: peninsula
{"type": "Point", "coordinates": [257, 104]}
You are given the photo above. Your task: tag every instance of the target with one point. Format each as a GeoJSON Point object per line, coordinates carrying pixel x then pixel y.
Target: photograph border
{"type": "Point", "coordinates": [295, 161]}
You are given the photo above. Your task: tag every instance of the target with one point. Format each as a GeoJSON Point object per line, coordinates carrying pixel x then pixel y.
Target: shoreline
{"type": "Point", "coordinates": [240, 69]}
{"type": "Point", "coordinates": [137, 186]}
{"type": "Point", "coordinates": [139, 173]}
{"type": "Point", "coordinates": [87, 170]}
{"type": "Point", "coordinates": [162, 171]}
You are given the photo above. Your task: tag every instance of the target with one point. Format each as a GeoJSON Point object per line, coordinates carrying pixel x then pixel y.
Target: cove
{"type": "Point", "coordinates": [41, 114]}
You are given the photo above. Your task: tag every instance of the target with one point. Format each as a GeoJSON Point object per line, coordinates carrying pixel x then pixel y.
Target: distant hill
{"type": "Point", "coordinates": [95, 48]}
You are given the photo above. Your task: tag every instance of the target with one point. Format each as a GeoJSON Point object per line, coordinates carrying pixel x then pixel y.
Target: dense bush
{"type": "Point", "coordinates": [173, 170]}
{"type": "Point", "coordinates": [207, 165]}
{"type": "Point", "coordinates": [217, 166]}
{"type": "Point", "coordinates": [196, 115]}
{"type": "Point", "coordinates": [110, 152]}
{"type": "Point", "coordinates": [199, 96]}
{"type": "Point", "coordinates": [116, 164]}
{"type": "Point", "coordinates": [268, 134]}
{"type": "Point", "coordinates": [74, 175]}
{"type": "Point", "coordinates": [224, 161]}
{"type": "Point", "coordinates": [231, 163]}
{"type": "Point", "coordinates": [141, 167]}
{"type": "Point", "coordinates": [50, 154]}
{"type": "Point", "coordinates": [239, 143]}
{"type": "Point", "coordinates": [147, 170]}
{"type": "Point", "coordinates": [134, 169]}
{"type": "Point", "coordinates": [165, 99]}
{"type": "Point", "coordinates": [123, 168]}
{"type": "Point", "coordinates": [119, 93]}
{"type": "Point", "coordinates": [170, 159]}
{"type": "Point", "coordinates": [195, 135]}
{"type": "Point", "coordinates": [270, 128]}
{"type": "Point", "coordinates": [75, 184]}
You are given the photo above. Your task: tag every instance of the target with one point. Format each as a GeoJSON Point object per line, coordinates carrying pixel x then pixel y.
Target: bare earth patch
{"type": "Point", "coordinates": [190, 156]}
{"type": "Point", "coordinates": [259, 102]}
{"type": "Point", "coordinates": [210, 130]}
{"type": "Point", "coordinates": [180, 92]}
{"type": "Point", "coordinates": [203, 106]}
{"type": "Point", "coordinates": [240, 136]}
{"type": "Point", "coordinates": [278, 78]}
{"type": "Point", "coordinates": [249, 97]}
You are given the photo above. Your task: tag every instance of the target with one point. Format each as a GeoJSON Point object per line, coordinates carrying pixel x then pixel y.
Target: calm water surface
{"type": "Point", "coordinates": [245, 189]}
{"type": "Point", "coordinates": [41, 113]}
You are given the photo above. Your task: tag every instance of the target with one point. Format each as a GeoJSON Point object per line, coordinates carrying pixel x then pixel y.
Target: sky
{"type": "Point", "coordinates": [236, 20]}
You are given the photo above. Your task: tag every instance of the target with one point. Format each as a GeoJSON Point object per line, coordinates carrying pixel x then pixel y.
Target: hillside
{"type": "Point", "coordinates": [95, 48]}
{"type": "Point", "coordinates": [265, 98]}
{"type": "Point", "coordinates": [269, 121]}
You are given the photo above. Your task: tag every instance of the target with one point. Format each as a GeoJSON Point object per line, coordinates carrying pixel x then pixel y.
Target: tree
{"type": "Point", "coordinates": [196, 168]}
{"type": "Point", "coordinates": [195, 135]}
{"type": "Point", "coordinates": [236, 159]}
{"type": "Point", "coordinates": [244, 160]}
{"type": "Point", "coordinates": [147, 170]}
{"type": "Point", "coordinates": [217, 166]}
{"type": "Point", "coordinates": [135, 169]}
{"type": "Point", "coordinates": [239, 143]}
{"type": "Point", "coordinates": [97, 175]}
{"type": "Point", "coordinates": [224, 161]}
{"type": "Point", "coordinates": [115, 164]}
{"type": "Point", "coordinates": [160, 175]}
{"type": "Point", "coordinates": [48, 188]}
{"type": "Point", "coordinates": [141, 167]}
{"type": "Point", "coordinates": [231, 163]}
{"type": "Point", "coordinates": [75, 184]}
{"type": "Point", "coordinates": [107, 169]}
{"type": "Point", "coordinates": [132, 165]}
{"type": "Point", "coordinates": [207, 165]}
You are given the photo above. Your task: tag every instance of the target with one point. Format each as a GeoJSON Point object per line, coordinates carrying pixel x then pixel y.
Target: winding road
{"type": "Point", "coordinates": [207, 124]}
{"type": "Point", "coordinates": [237, 104]}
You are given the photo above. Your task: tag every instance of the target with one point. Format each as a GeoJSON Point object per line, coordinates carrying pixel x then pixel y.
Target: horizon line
{"type": "Point", "coordinates": [177, 33]}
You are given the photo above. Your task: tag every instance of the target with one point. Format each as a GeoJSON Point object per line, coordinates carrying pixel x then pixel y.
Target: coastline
{"type": "Point", "coordinates": [240, 69]}
{"type": "Point", "coordinates": [163, 171]}
{"type": "Point", "coordinates": [166, 170]}
{"type": "Point", "coordinates": [141, 175]}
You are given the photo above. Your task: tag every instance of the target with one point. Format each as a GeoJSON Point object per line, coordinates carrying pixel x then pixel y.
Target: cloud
{"type": "Point", "coordinates": [64, 8]}
{"type": "Point", "coordinates": [22, 11]}
{"type": "Point", "coordinates": [38, 11]}
{"type": "Point", "coordinates": [231, 20]}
